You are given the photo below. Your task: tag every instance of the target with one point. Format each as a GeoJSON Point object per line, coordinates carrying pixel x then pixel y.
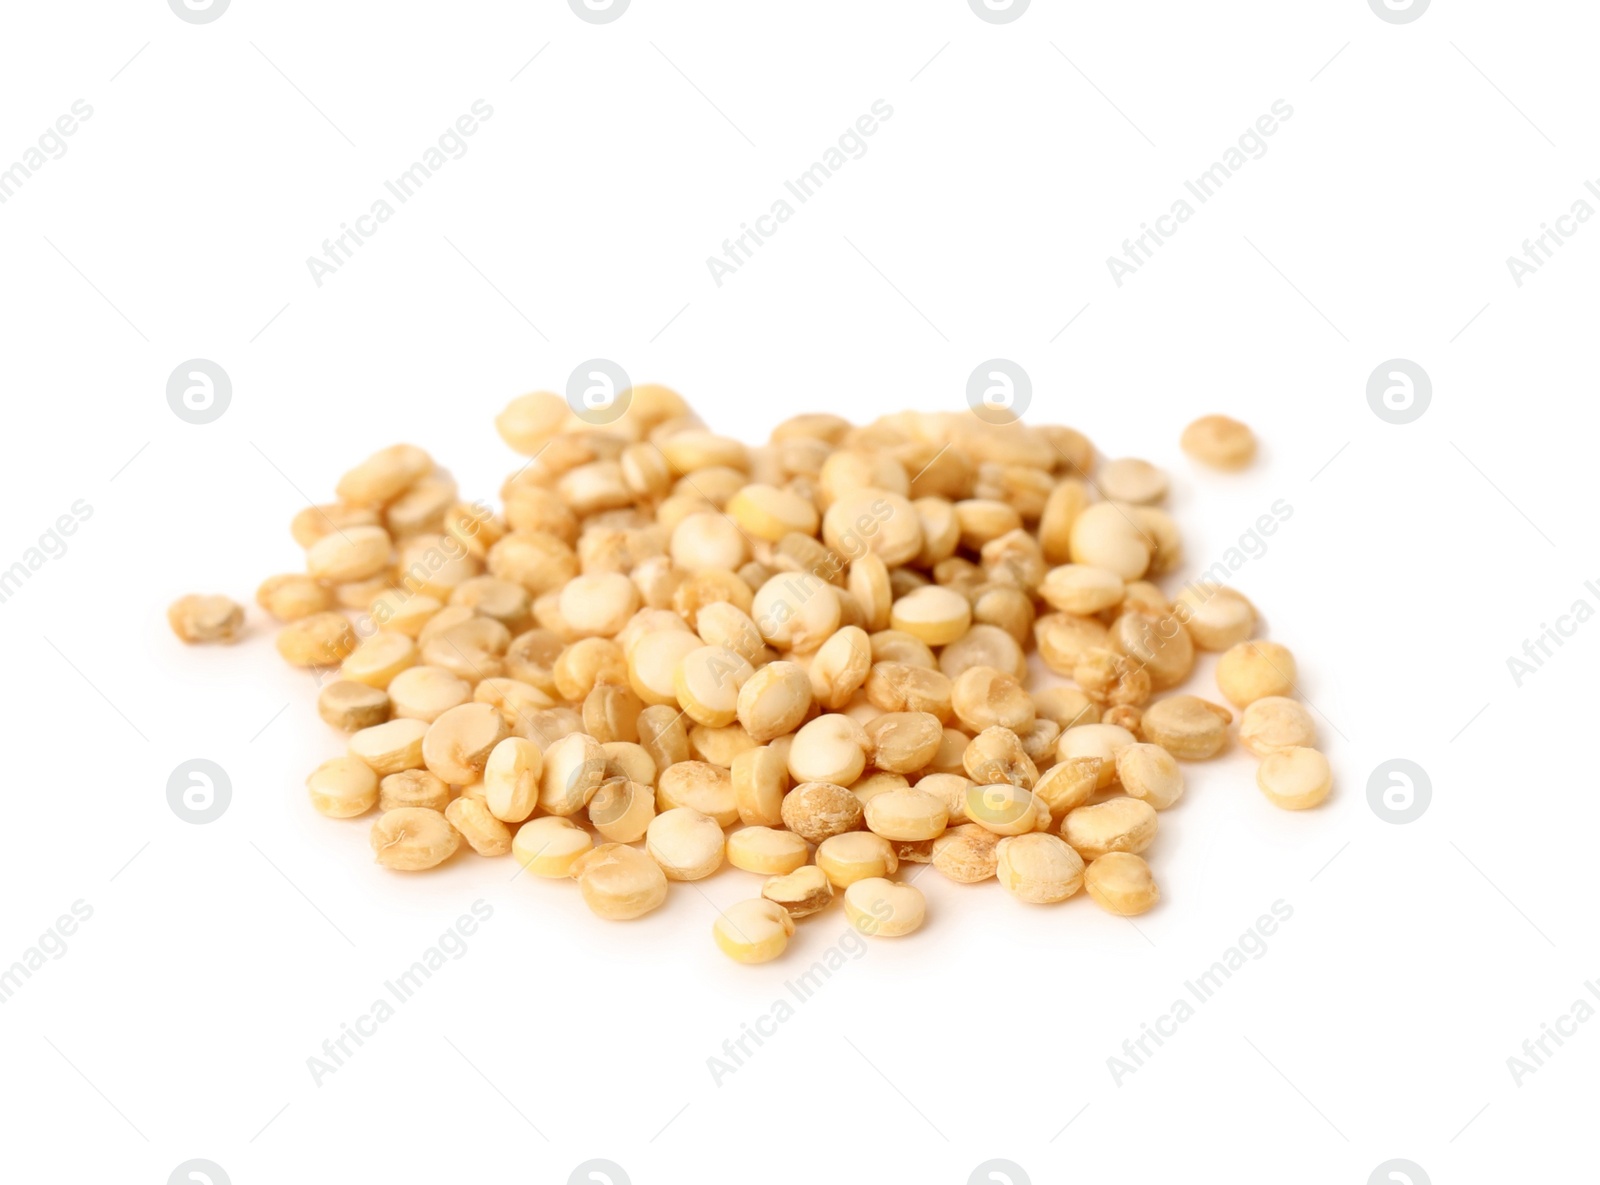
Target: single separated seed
{"type": "Point", "coordinates": [754, 931]}
{"type": "Point", "coordinates": [854, 856]}
{"type": "Point", "coordinates": [1253, 670]}
{"type": "Point", "coordinates": [1121, 883]}
{"type": "Point", "coordinates": [196, 618]}
{"type": "Point", "coordinates": [412, 838]}
{"type": "Point", "coordinates": [1275, 723]}
{"type": "Point", "coordinates": [343, 788]}
{"type": "Point", "coordinates": [881, 908]}
{"type": "Point", "coordinates": [803, 892]}
{"type": "Point", "coordinates": [1295, 779]}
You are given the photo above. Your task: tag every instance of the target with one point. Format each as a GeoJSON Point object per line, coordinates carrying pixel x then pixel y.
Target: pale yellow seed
{"type": "Point", "coordinates": [343, 788]}
{"type": "Point", "coordinates": [1295, 779]}
{"type": "Point", "coordinates": [379, 659]}
{"type": "Point", "coordinates": [1188, 727]}
{"type": "Point", "coordinates": [1128, 479]}
{"type": "Point", "coordinates": [621, 810]}
{"type": "Point", "coordinates": [707, 683]}
{"type": "Point", "coordinates": [653, 665]}
{"type": "Point", "coordinates": [803, 892]}
{"type": "Point", "coordinates": [1101, 741]}
{"type": "Point", "coordinates": [854, 856]}
{"type": "Point", "coordinates": [1069, 784]}
{"type": "Point", "coordinates": [816, 811]}
{"type": "Point", "coordinates": [840, 667]}
{"type": "Point", "coordinates": [687, 844]}
{"type": "Point", "coordinates": [352, 554]}
{"type": "Point", "coordinates": [903, 742]}
{"type": "Point", "coordinates": [1005, 809]}
{"type": "Point", "coordinates": [574, 767]}
{"type": "Point", "coordinates": [197, 618]}
{"type": "Point", "coordinates": [413, 787]}
{"type": "Point", "coordinates": [619, 882]}
{"type": "Point", "coordinates": [1217, 618]}
{"type": "Point", "coordinates": [391, 747]}
{"type": "Point", "coordinates": [796, 611]}
{"type": "Point", "coordinates": [1275, 723]}
{"type": "Point", "coordinates": [1121, 883]}
{"type": "Point", "coordinates": [774, 700]}
{"type": "Point", "coordinates": [754, 931]}
{"type": "Point", "coordinates": [879, 521]}
{"type": "Point", "coordinates": [385, 475]}
{"type": "Point", "coordinates": [293, 596]}
{"type": "Point", "coordinates": [701, 786]}
{"type": "Point", "coordinates": [882, 908]}
{"type": "Point", "coordinates": [1219, 441]}
{"type": "Point", "coordinates": [598, 606]}
{"type": "Point", "coordinates": [907, 815]}
{"type": "Point", "coordinates": [1252, 670]}
{"type": "Point", "coordinates": [767, 850]}
{"type": "Point", "coordinates": [967, 853]}
{"type": "Point", "coordinates": [1150, 773]}
{"type": "Point", "coordinates": [767, 512]}
{"type": "Point", "coordinates": [350, 707]}
{"type": "Point", "coordinates": [410, 839]}
{"type": "Point", "coordinates": [1038, 868]}
{"type": "Point", "coordinates": [831, 748]}
{"type": "Point", "coordinates": [1082, 589]}
{"type": "Point", "coordinates": [486, 835]}
{"type": "Point", "coordinates": [1106, 535]}
{"type": "Point", "coordinates": [549, 846]}
{"type": "Point", "coordinates": [457, 745]}
{"type": "Point", "coordinates": [511, 779]}
{"type": "Point", "coordinates": [935, 615]}
{"type": "Point", "coordinates": [1117, 825]}
{"type": "Point", "coordinates": [760, 778]}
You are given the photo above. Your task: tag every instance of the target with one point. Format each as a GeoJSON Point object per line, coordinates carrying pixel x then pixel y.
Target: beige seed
{"type": "Point", "coordinates": [293, 596]}
{"type": "Point", "coordinates": [1005, 809]}
{"type": "Point", "coordinates": [1295, 779]}
{"type": "Point", "coordinates": [839, 667]}
{"type": "Point", "coordinates": [385, 475]}
{"type": "Point", "coordinates": [392, 747]}
{"type": "Point", "coordinates": [967, 853]}
{"type": "Point", "coordinates": [766, 512]}
{"type": "Point", "coordinates": [909, 815]}
{"type": "Point", "coordinates": [321, 640]}
{"type": "Point", "coordinates": [412, 838]}
{"type": "Point", "coordinates": [350, 707]}
{"type": "Point", "coordinates": [932, 614]}
{"type": "Point", "coordinates": [1117, 825]}
{"type": "Point", "coordinates": [1150, 773]}
{"type": "Point", "coordinates": [774, 700]}
{"type": "Point", "coordinates": [796, 611]}
{"type": "Point", "coordinates": [598, 605]}
{"type": "Point", "coordinates": [426, 693]}
{"type": "Point", "coordinates": [1217, 618]}
{"type": "Point", "coordinates": [573, 769]}
{"type": "Point", "coordinates": [621, 810]}
{"type": "Point", "coordinates": [1128, 479]}
{"type": "Point", "coordinates": [513, 699]}
{"type": "Point", "coordinates": [754, 931]}
{"type": "Point", "coordinates": [314, 522]}
{"type": "Point", "coordinates": [619, 882]}
{"type": "Point", "coordinates": [197, 618]}
{"type": "Point", "coordinates": [487, 835]}
{"type": "Point", "coordinates": [1120, 883]}
{"type": "Point", "coordinates": [549, 846]}
{"type": "Point", "coordinates": [349, 555]}
{"type": "Point", "coordinates": [511, 779]}
{"type": "Point", "coordinates": [1275, 723]}
{"type": "Point", "coordinates": [686, 844]}
{"type": "Point", "coordinates": [1102, 741]}
{"type": "Point", "coordinates": [343, 788]}
{"type": "Point", "coordinates": [986, 698]}
{"type": "Point", "coordinates": [701, 786]}
{"type": "Point", "coordinates": [625, 759]}
{"type": "Point", "coordinates": [653, 665]}
{"type": "Point", "coordinates": [413, 787]}
{"type": "Point", "coordinates": [997, 755]}
{"type": "Point", "coordinates": [457, 745]}
{"type": "Point", "coordinates": [903, 742]}
{"type": "Point", "coordinates": [1220, 442]}
{"type": "Point", "coordinates": [1069, 784]}
{"type": "Point", "coordinates": [1082, 589]}
{"type": "Point", "coordinates": [1038, 868]}
{"type": "Point", "coordinates": [403, 611]}
{"type": "Point", "coordinates": [767, 850]}
{"type": "Point", "coordinates": [760, 778]}
{"type": "Point", "coordinates": [707, 683]}
{"type": "Point", "coordinates": [378, 659]}
{"type": "Point", "coordinates": [1067, 707]}
{"type": "Point", "coordinates": [882, 908]}
{"type": "Point", "coordinates": [1105, 535]}
{"type": "Point", "coordinates": [831, 748]}
{"type": "Point", "coordinates": [854, 856]}
{"type": "Point", "coordinates": [876, 521]}
{"type": "Point", "coordinates": [664, 735]}
{"type": "Point", "coordinates": [1158, 644]}
{"type": "Point", "coordinates": [1188, 727]}
{"type": "Point", "coordinates": [1252, 670]}
{"type": "Point", "coordinates": [817, 810]}
{"type": "Point", "coordinates": [1064, 638]}
{"type": "Point", "coordinates": [803, 892]}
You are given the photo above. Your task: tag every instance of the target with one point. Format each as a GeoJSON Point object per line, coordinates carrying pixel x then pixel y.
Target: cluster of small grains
{"type": "Point", "coordinates": [808, 659]}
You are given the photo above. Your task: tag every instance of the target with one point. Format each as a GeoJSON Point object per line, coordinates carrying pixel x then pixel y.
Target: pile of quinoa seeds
{"type": "Point", "coordinates": [667, 650]}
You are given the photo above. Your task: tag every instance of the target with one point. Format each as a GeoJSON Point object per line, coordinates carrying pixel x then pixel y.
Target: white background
{"type": "Point", "coordinates": [1018, 157]}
